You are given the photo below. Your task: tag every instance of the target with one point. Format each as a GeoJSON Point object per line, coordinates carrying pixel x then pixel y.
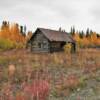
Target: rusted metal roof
{"type": "Point", "coordinates": [54, 35]}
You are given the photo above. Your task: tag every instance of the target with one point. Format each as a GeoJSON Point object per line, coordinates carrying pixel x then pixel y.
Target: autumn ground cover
{"type": "Point", "coordinates": [57, 76]}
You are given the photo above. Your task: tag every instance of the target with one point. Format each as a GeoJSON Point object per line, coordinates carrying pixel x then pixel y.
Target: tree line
{"type": "Point", "coordinates": [85, 39]}
{"type": "Point", "coordinates": [13, 35]}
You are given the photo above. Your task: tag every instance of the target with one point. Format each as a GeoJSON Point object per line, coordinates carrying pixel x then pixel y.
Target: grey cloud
{"type": "Point", "coordinates": [95, 10]}
{"type": "Point", "coordinates": [52, 13]}
{"type": "Point", "coordinates": [95, 13]}
{"type": "Point", "coordinates": [6, 4]}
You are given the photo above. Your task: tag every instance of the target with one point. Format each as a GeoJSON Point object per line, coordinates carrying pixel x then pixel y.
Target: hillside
{"type": "Point", "coordinates": [60, 76]}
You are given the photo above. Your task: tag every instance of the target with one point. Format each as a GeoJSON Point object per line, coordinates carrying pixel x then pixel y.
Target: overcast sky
{"type": "Point", "coordinates": [52, 13]}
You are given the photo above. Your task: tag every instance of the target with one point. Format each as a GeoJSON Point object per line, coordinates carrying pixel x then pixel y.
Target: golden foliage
{"type": "Point", "coordinates": [92, 40]}
{"type": "Point", "coordinates": [67, 48]}
{"type": "Point", "coordinates": [11, 32]}
{"type": "Point", "coordinates": [11, 70]}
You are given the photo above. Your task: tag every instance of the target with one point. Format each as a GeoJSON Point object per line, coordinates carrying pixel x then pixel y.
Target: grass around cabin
{"type": "Point", "coordinates": [63, 76]}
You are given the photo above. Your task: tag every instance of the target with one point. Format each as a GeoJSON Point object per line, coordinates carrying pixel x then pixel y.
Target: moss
{"type": "Point", "coordinates": [6, 44]}
{"type": "Point", "coordinates": [82, 82]}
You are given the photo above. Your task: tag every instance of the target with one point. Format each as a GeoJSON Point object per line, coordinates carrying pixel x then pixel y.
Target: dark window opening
{"type": "Point", "coordinates": [45, 45]}
{"type": "Point", "coordinates": [39, 44]}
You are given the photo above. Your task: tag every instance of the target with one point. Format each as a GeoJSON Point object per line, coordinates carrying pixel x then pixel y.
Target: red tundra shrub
{"type": "Point", "coordinates": [21, 96]}
{"type": "Point", "coordinates": [39, 89]}
{"type": "Point", "coordinates": [89, 68]}
{"type": "Point", "coordinates": [72, 81]}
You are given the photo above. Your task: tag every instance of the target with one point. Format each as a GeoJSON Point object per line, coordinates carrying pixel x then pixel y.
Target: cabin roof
{"type": "Point", "coordinates": [54, 35]}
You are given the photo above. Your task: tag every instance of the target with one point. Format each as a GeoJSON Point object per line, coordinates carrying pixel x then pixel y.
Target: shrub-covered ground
{"type": "Point", "coordinates": [56, 76]}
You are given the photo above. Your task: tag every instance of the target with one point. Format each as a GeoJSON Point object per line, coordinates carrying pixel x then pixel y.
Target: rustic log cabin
{"type": "Point", "coordinates": [46, 40]}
